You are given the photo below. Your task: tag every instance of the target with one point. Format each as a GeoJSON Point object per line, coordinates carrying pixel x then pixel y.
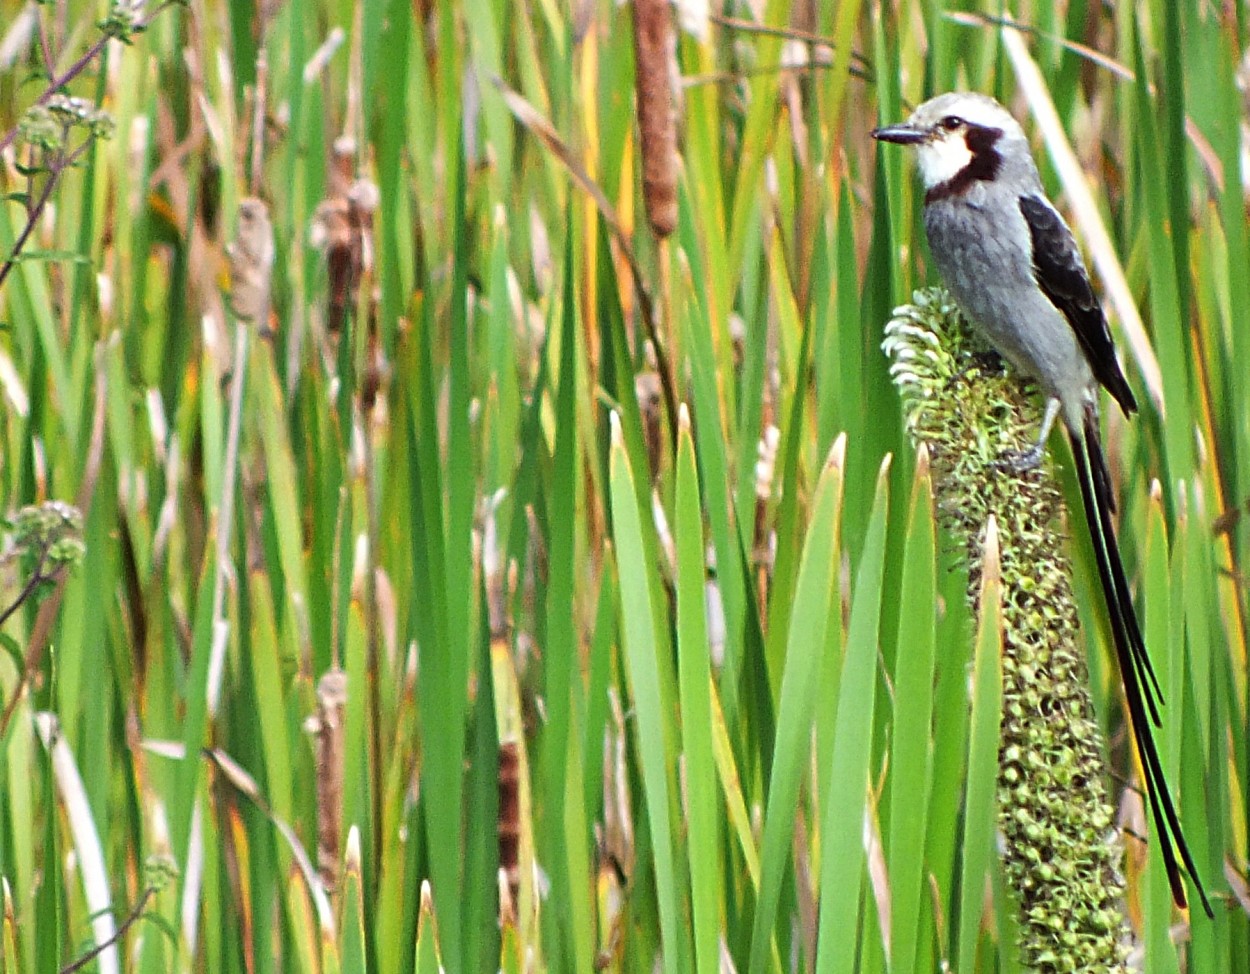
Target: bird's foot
{"type": "Point", "coordinates": [1021, 461]}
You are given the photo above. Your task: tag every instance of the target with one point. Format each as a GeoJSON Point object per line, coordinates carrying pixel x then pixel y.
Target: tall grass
{"type": "Point", "coordinates": [630, 683]}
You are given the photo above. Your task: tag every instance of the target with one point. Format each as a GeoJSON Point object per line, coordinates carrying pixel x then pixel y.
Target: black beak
{"type": "Point", "coordinates": [901, 134]}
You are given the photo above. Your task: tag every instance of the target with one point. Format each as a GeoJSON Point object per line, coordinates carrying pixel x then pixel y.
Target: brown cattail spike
{"type": "Point", "coordinates": [510, 815]}
{"type": "Point", "coordinates": [657, 116]}
{"type": "Point", "coordinates": [251, 262]}
{"type": "Point", "coordinates": [342, 226]}
{"type": "Point", "coordinates": [328, 728]}
{"type": "Point", "coordinates": [650, 392]}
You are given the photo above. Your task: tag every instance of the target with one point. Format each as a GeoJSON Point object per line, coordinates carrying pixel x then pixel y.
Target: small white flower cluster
{"type": "Point", "coordinates": [915, 345]}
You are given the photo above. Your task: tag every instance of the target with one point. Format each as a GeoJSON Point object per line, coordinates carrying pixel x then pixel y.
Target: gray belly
{"type": "Point", "coordinates": [987, 264]}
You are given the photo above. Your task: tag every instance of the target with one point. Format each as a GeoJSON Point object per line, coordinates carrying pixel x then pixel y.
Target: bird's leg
{"type": "Point", "coordinates": [1020, 461]}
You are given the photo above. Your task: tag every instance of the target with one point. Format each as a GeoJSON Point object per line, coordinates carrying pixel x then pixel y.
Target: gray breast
{"type": "Point", "coordinates": [982, 248]}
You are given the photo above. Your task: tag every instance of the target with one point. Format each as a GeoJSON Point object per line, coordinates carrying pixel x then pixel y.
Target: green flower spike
{"type": "Point", "coordinates": [1061, 850]}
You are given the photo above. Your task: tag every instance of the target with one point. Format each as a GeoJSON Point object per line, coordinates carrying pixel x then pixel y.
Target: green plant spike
{"type": "Point", "coordinates": [1061, 850]}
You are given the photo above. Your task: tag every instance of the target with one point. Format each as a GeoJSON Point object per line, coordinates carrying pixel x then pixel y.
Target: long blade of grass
{"type": "Point", "coordinates": [655, 748]}
{"type": "Point", "coordinates": [695, 682]}
{"type": "Point", "coordinates": [987, 694]}
{"type": "Point", "coordinates": [799, 686]}
{"type": "Point", "coordinates": [912, 755]}
{"type": "Point", "coordinates": [845, 805]}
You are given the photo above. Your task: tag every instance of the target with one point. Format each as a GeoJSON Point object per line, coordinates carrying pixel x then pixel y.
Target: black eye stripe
{"type": "Point", "coordinates": [982, 167]}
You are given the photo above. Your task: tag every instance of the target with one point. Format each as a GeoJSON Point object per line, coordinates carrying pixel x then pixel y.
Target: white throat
{"type": "Point", "coordinates": [942, 159]}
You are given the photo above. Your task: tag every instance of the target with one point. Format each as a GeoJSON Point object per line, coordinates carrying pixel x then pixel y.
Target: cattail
{"type": "Point", "coordinates": [251, 263]}
{"type": "Point", "coordinates": [510, 815]}
{"type": "Point", "coordinates": [650, 394]}
{"type": "Point", "coordinates": [332, 230]}
{"type": "Point", "coordinates": [657, 116]}
{"type": "Point", "coordinates": [342, 226]}
{"type": "Point", "coordinates": [328, 726]}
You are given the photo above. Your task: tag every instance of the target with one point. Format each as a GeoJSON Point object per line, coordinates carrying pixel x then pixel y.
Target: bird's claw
{"type": "Point", "coordinates": [1020, 461]}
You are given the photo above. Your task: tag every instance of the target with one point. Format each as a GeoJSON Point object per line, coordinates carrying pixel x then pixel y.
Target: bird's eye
{"type": "Point", "coordinates": [951, 122]}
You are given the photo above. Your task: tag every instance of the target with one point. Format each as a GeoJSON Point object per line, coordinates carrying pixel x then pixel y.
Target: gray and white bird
{"type": "Point", "coordinates": [1015, 271]}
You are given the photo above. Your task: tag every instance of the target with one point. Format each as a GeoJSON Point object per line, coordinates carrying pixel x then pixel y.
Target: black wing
{"type": "Point", "coordinates": [1060, 273]}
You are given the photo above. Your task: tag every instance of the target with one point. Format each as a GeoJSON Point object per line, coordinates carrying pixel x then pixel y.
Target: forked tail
{"type": "Point", "coordinates": [1141, 687]}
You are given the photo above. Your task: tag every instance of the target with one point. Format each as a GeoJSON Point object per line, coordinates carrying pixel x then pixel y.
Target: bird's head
{"type": "Point", "coordinates": [959, 137]}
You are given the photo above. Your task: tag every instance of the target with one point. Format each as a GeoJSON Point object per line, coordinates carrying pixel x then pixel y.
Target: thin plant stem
{"type": "Point", "coordinates": [35, 211]}
{"type": "Point", "coordinates": [132, 918]}
{"type": "Point", "coordinates": [77, 68]}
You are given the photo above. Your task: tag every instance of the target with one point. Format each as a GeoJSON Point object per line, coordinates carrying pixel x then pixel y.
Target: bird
{"type": "Point", "coordinates": [1012, 264]}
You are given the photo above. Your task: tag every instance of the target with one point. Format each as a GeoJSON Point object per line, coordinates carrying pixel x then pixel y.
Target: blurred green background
{"type": "Point", "coordinates": [375, 593]}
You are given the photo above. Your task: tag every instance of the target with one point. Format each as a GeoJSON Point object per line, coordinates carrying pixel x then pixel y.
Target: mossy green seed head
{"type": "Point", "coordinates": [1061, 853]}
